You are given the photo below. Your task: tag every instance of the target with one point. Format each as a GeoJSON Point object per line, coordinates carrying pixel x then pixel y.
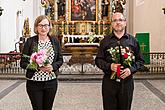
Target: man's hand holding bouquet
{"type": "Point", "coordinates": [122, 59]}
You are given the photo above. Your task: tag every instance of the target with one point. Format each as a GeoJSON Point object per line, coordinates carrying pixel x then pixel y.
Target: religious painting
{"type": "Point", "coordinates": [83, 10]}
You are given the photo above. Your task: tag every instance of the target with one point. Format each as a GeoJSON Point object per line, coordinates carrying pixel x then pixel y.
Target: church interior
{"type": "Point", "coordinates": [79, 26]}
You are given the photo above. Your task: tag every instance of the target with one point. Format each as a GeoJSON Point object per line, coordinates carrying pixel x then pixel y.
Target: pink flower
{"type": "Point", "coordinates": [33, 57]}
{"type": "Point", "coordinates": [38, 59]}
{"type": "Point", "coordinates": [42, 52]}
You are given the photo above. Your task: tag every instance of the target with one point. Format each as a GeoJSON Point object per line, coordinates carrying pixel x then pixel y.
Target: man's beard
{"type": "Point", "coordinates": [118, 30]}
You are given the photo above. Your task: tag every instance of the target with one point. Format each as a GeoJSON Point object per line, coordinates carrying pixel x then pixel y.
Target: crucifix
{"type": "Point", "coordinates": [142, 46]}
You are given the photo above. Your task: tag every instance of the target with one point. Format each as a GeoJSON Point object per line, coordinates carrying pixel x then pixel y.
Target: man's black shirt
{"type": "Point", "coordinates": [103, 58]}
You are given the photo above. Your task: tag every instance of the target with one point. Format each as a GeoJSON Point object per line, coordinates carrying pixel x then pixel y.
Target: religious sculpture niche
{"type": "Point", "coordinates": [118, 5]}
{"type": "Point", "coordinates": [61, 7]}
{"type": "Point", "coordinates": [105, 5]}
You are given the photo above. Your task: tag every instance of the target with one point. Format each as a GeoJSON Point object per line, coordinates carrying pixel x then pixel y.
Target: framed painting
{"type": "Point", "coordinates": [83, 10]}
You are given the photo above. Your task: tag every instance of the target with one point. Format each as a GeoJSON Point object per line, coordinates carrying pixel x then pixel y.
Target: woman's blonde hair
{"type": "Point", "coordinates": [38, 20]}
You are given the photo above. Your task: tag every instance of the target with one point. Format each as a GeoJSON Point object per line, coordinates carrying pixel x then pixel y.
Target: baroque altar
{"type": "Point", "coordinates": [82, 48]}
{"type": "Point", "coordinates": [81, 24]}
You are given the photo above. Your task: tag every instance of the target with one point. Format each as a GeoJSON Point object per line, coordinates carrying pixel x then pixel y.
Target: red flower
{"type": "Point", "coordinates": [127, 58]}
{"type": "Point", "coordinates": [125, 55]}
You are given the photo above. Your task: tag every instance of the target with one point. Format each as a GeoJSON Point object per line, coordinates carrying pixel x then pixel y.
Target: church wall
{"type": "Point", "coordinates": [149, 17]}
{"type": "Point", "coordinates": [9, 34]}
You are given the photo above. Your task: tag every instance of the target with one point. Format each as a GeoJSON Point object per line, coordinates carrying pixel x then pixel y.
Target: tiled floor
{"type": "Point", "coordinates": [84, 95]}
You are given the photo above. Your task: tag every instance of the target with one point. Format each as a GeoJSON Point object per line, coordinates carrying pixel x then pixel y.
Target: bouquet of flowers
{"type": "Point", "coordinates": [127, 58]}
{"type": "Point", "coordinates": [38, 59]}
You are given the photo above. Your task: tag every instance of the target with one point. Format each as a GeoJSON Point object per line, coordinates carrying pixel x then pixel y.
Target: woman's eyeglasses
{"type": "Point", "coordinates": [43, 25]}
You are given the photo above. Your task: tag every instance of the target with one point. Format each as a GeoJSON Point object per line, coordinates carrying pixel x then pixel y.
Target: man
{"type": "Point", "coordinates": [117, 89]}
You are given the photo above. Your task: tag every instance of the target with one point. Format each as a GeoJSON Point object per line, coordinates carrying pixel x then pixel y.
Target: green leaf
{"type": "Point", "coordinates": [32, 66]}
{"type": "Point", "coordinates": [26, 56]}
{"type": "Point", "coordinates": [46, 62]}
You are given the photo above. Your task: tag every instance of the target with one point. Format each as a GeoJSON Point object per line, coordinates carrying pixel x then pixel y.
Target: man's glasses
{"type": "Point", "coordinates": [118, 20]}
{"type": "Point", "coordinates": [43, 25]}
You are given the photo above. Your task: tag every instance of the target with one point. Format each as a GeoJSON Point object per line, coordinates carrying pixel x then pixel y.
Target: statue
{"type": "Point", "coordinates": [45, 3]}
{"type": "Point", "coordinates": [119, 5]}
{"type": "Point", "coordinates": [61, 7]}
{"type": "Point", "coordinates": [105, 4]}
{"type": "Point", "coordinates": [49, 8]}
{"type": "Point", "coordinates": [26, 28]}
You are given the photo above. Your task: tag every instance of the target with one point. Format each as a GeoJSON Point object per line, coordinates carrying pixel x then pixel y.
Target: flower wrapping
{"type": "Point", "coordinates": [118, 70]}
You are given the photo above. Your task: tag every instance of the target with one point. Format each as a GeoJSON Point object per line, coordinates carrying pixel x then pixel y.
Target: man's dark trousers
{"type": "Point", "coordinates": [117, 95]}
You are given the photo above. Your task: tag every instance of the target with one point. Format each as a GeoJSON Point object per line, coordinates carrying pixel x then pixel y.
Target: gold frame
{"type": "Point", "coordinates": [82, 20]}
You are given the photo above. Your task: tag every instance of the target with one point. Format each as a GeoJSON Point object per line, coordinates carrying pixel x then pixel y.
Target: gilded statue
{"type": "Point", "coordinates": [26, 28]}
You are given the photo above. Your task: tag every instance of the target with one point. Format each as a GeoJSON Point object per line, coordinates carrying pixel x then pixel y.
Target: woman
{"type": "Point", "coordinates": [41, 84]}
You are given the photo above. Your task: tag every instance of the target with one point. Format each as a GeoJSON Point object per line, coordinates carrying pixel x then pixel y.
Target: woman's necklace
{"type": "Point", "coordinates": [43, 40]}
